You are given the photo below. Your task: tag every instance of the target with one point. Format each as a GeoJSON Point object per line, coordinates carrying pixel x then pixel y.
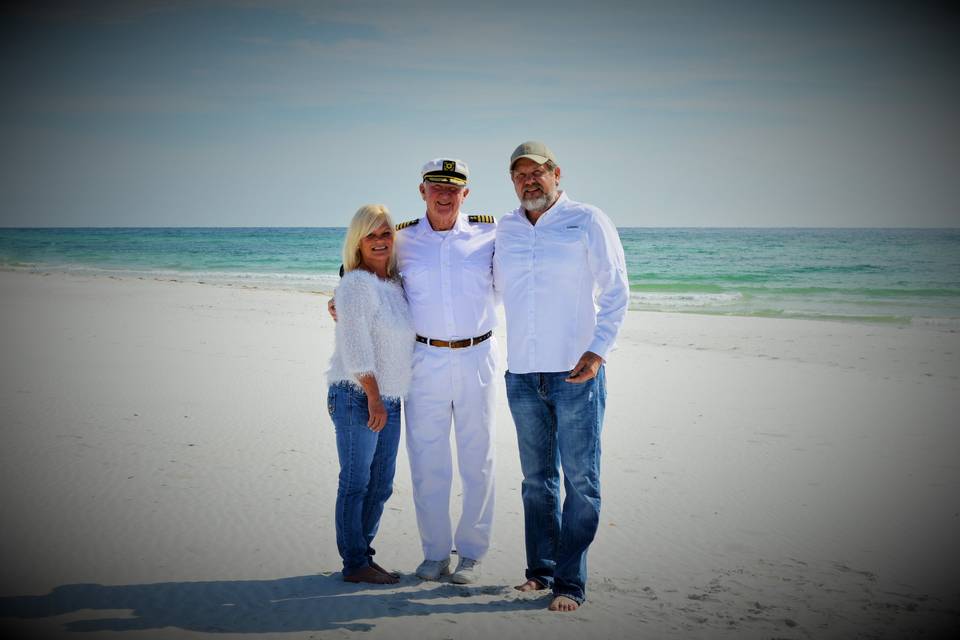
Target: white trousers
{"type": "Point", "coordinates": [457, 385]}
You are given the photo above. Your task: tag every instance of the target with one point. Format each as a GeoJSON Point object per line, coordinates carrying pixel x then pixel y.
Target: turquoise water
{"type": "Point", "coordinates": [894, 275]}
{"type": "Point", "coordinates": [877, 275]}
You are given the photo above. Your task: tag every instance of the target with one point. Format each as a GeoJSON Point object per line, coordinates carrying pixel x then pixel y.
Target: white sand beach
{"type": "Point", "coordinates": [168, 470]}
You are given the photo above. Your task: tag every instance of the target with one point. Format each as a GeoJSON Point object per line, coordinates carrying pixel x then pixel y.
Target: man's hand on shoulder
{"type": "Point", "coordinates": [586, 368]}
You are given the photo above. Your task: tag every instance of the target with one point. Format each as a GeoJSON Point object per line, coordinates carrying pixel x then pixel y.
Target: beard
{"type": "Point", "coordinates": [540, 204]}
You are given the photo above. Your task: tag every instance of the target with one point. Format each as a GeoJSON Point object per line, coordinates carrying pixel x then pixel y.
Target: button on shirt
{"type": "Point", "coordinates": [448, 278]}
{"type": "Point", "coordinates": [564, 285]}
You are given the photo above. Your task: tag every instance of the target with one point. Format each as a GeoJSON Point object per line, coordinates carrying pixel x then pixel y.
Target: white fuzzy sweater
{"type": "Point", "coordinates": [374, 333]}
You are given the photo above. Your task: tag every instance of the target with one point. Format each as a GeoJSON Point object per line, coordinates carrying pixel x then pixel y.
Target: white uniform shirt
{"type": "Point", "coordinates": [564, 285]}
{"type": "Point", "coordinates": [448, 278]}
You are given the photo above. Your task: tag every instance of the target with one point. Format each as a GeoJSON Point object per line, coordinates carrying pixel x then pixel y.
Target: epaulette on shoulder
{"type": "Point", "coordinates": [481, 218]}
{"type": "Point", "coordinates": [408, 223]}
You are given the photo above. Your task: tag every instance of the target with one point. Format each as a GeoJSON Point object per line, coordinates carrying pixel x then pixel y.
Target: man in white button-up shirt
{"type": "Point", "coordinates": [445, 259]}
{"type": "Point", "coordinates": [560, 269]}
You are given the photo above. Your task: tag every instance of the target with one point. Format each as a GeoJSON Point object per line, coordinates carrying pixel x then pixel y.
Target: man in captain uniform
{"type": "Point", "coordinates": [445, 259]}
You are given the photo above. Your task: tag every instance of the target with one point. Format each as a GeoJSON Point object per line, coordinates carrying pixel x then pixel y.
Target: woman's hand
{"type": "Point", "coordinates": [378, 414]}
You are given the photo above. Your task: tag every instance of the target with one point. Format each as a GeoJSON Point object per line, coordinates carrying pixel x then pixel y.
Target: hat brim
{"type": "Point", "coordinates": [460, 182]}
{"type": "Point", "coordinates": [530, 156]}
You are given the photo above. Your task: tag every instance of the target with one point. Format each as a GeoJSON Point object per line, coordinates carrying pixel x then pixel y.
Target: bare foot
{"type": "Point", "coordinates": [377, 567]}
{"type": "Point", "coordinates": [563, 603]}
{"type": "Point", "coordinates": [371, 575]}
{"type": "Point", "coordinates": [530, 585]}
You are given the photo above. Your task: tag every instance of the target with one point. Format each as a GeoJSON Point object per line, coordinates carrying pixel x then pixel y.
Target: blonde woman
{"type": "Point", "coordinates": [369, 374]}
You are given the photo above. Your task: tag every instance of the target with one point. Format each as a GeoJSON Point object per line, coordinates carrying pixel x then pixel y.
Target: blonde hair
{"type": "Point", "coordinates": [366, 220]}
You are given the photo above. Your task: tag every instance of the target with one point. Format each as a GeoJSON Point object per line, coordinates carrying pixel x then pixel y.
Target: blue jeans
{"type": "Point", "coordinates": [368, 461]}
{"type": "Point", "coordinates": [558, 427]}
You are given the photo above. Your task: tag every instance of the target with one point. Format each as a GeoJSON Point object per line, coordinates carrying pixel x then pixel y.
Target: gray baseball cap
{"type": "Point", "coordinates": [534, 150]}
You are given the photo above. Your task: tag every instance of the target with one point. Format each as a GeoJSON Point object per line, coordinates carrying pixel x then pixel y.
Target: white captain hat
{"type": "Point", "coordinates": [445, 170]}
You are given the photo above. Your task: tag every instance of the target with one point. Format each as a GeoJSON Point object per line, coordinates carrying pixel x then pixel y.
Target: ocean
{"type": "Point", "coordinates": [903, 276]}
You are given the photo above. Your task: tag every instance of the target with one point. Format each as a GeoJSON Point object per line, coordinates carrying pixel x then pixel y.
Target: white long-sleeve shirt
{"type": "Point", "coordinates": [374, 333]}
{"type": "Point", "coordinates": [564, 285]}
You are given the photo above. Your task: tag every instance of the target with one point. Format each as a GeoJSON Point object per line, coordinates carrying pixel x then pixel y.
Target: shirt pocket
{"type": "Point", "coordinates": [418, 282]}
{"type": "Point", "coordinates": [476, 274]}
{"type": "Point", "coordinates": [563, 250]}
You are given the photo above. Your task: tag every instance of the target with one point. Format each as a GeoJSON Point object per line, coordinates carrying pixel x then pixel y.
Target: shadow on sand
{"type": "Point", "coordinates": [303, 603]}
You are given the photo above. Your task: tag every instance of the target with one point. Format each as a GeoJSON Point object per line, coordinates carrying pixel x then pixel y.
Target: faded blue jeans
{"type": "Point", "coordinates": [558, 428]}
{"type": "Point", "coordinates": [368, 461]}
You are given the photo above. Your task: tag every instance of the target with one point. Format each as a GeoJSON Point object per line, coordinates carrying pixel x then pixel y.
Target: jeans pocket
{"type": "Point", "coordinates": [331, 402]}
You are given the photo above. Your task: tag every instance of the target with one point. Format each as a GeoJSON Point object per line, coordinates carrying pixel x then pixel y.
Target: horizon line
{"type": "Point", "coordinates": [731, 227]}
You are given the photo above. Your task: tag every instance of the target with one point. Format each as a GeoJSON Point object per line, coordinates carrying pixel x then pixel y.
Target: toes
{"type": "Point", "coordinates": [529, 585]}
{"type": "Point", "coordinates": [563, 603]}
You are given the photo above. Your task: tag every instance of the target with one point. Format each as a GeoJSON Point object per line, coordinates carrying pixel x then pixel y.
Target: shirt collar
{"type": "Point", "coordinates": [459, 225]}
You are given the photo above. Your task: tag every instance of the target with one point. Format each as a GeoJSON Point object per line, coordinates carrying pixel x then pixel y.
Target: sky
{"type": "Point", "coordinates": [663, 114]}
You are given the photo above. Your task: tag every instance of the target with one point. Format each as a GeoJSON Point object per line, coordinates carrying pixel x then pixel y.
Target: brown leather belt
{"type": "Point", "coordinates": [454, 344]}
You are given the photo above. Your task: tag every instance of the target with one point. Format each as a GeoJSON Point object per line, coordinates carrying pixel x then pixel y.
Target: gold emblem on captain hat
{"type": "Point", "coordinates": [449, 165]}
